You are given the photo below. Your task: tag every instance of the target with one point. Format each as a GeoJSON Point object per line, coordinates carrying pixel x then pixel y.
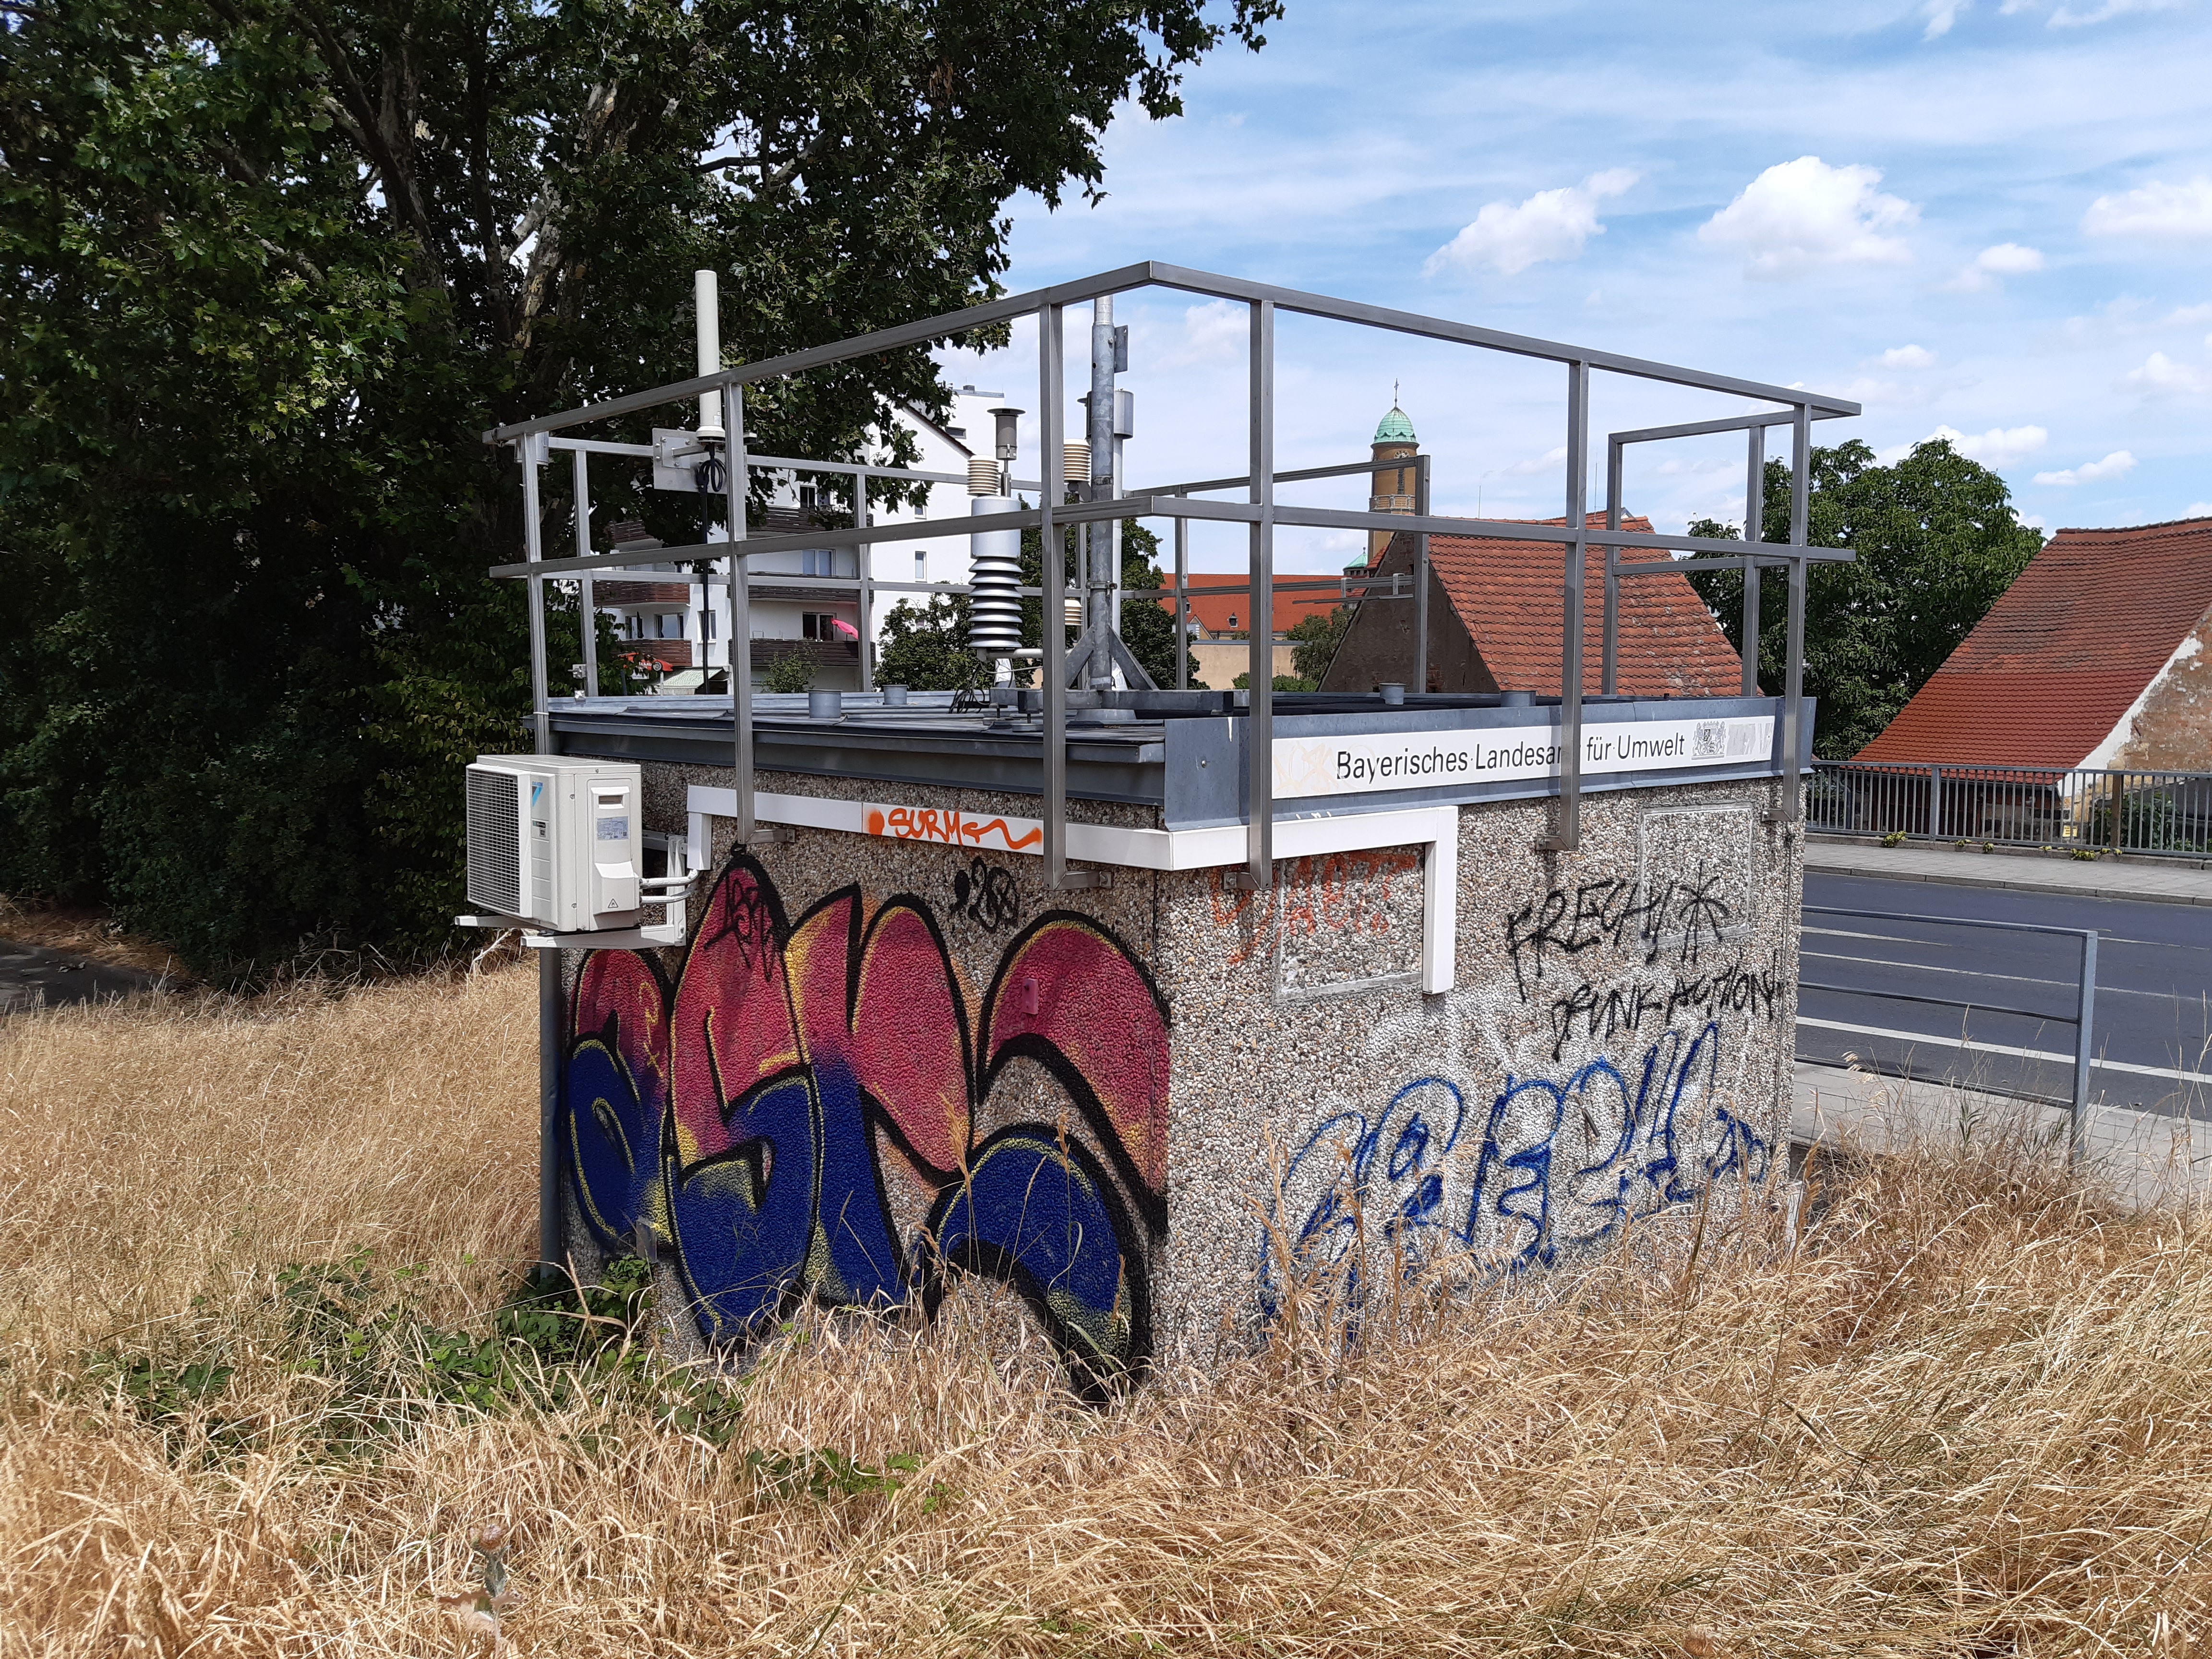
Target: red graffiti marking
{"type": "Point", "coordinates": [1334, 893]}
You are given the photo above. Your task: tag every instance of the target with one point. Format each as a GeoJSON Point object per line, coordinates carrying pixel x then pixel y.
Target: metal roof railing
{"type": "Point", "coordinates": [1261, 511]}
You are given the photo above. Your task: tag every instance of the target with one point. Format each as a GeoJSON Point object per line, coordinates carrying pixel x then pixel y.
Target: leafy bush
{"type": "Point", "coordinates": [790, 674]}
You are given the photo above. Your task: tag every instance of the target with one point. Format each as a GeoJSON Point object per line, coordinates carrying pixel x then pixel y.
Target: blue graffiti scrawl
{"type": "Point", "coordinates": [1546, 1164]}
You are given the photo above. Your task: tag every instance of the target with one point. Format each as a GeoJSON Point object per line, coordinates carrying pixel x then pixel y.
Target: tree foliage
{"type": "Point", "coordinates": [1317, 638]}
{"type": "Point", "coordinates": [1937, 542]}
{"type": "Point", "coordinates": [269, 268]}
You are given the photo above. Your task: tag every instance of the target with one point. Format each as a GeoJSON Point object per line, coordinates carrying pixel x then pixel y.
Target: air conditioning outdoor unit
{"type": "Point", "coordinates": [556, 840]}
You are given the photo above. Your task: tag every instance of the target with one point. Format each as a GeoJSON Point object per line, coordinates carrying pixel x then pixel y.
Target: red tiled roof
{"type": "Point", "coordinates": [1231, 613]}
{"type": "Point", "coordinates": [1507, 595]}
{"type": "Point", "coordinates": [2064, 652]}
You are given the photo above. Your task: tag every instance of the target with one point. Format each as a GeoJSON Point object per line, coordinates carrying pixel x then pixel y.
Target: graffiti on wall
{"type": "Point", "coordinates": [812, 1111]}
{"type": "Point", "coordinates": [1619, 1099]}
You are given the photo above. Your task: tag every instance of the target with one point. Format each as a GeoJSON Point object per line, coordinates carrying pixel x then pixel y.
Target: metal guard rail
{"type": "Point", "coordinates": [2118, 810]}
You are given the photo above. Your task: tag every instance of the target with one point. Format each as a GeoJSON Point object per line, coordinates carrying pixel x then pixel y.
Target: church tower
{"type": "Point", "coordinates": [1394, 486]}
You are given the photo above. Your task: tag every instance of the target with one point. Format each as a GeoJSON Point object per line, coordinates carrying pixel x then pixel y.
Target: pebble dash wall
{"type": "Point", "coordinates": [884, 1067]}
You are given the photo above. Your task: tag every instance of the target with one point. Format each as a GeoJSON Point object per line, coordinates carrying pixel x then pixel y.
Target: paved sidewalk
{"type": "Point", "coordinates": [2112, 879]}
{"type": "Point", "coordinates": [2147, 1157]}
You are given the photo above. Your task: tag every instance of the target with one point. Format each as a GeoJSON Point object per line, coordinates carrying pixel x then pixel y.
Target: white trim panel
{"type": "Point", "coordinates": [1434, 827]}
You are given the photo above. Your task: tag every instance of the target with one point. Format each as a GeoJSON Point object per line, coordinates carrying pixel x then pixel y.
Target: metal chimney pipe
{"type": "Point", "coordinates": [707, 308]}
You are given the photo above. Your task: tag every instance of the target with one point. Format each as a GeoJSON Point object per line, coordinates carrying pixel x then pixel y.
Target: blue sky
{"type": "Point", "coordinates": [1991, 219]}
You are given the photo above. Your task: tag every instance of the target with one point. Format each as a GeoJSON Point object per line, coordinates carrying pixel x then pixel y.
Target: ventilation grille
{"type": "Point", "coordinates": [494, 841]}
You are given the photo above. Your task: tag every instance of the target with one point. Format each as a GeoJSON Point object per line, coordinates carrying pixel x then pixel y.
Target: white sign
{"type": "Point", "coordinates": [1363, 762]}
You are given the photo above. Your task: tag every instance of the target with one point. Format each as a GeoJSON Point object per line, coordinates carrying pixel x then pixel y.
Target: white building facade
{"type": "Point", "coordinates": [675, 634]}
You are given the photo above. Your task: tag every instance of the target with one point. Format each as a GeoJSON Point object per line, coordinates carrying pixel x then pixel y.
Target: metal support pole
{"type": "Point", "coordinates": [1421, 578]}
{"type": "Point", "coordinates": [1754, 530]}
{"type": "Point", "coordinates": [1568, 835]}
{"type": "Point", "coordinates": [864, 557]}
{"type": "Point", "coordinates": [2084, 1046]}
{"type": "Point", "coordinates": [1258, 873]}
{"type": "Point", "coordinates": [588, 615]}
{"type": "Point", "coordinates": [550, 1242]}
{"type": "Point", "coordinates": [735, 488]}
{"type": "Point", "coordinates": [1050, 394]}
{"type": "Point", "coordinates": [1182, 603]}
{"type": "Point", "coordinates": [1793, 691]}
{"type": "Point", "coordinates": [533, 451]}
{"type": "Point", "coordinates": [1934, 803]}
{"type": "Point", "coordinates": [1609, 649]}
{"type": "Point", "coordinates": [1101, 570]}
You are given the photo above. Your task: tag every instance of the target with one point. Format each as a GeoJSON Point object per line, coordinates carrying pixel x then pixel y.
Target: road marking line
{"type": "Point", "coordinates": [1984, 972]}
{"type": "Point", "coordinates": [2170, 1075]}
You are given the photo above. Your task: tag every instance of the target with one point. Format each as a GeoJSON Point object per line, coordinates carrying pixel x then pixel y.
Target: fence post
{"type": "Point", "coordinates": [2084, 1043]}
{"type": "Point", "coordinates": [2119, 798]}
{"type": "Point", "coordinates": [1934, 803]}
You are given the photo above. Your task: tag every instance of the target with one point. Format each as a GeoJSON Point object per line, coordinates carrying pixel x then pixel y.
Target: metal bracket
{"type": "Point", "coordinates": [536, 936]}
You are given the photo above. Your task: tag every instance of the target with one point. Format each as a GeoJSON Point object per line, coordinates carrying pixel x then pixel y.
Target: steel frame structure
{"type": "Point", "coordinates": [1261, 513]}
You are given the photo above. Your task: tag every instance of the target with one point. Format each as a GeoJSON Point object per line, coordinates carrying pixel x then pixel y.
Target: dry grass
{"type": "Point", "coordinates": [1967, 1417]}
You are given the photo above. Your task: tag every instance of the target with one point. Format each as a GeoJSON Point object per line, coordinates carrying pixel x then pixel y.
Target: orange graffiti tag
{"type": "Point", "coordinates": [949, 828]}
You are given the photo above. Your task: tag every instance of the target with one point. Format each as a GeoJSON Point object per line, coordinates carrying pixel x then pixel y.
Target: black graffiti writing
{"type": "Point", "coordinates": [1602, 1016]}
{"type": "Point", "coordinates": [987, 895]}
{"type": "Point", "coordinates": [1687, 915]}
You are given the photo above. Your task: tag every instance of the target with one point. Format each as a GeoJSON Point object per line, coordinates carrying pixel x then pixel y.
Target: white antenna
{"type": "Point", "coordinates": [707, 304]}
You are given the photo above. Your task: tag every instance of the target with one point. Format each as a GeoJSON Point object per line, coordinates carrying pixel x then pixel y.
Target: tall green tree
{"type": "Point", "coordinates": [269, 268]}
{"type": "Point", "coordinates": [1938, 541]}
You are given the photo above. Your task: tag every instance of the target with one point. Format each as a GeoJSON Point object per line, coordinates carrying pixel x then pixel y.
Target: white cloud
{"type": "Point", "coordinates": [1876, 393]}
{"type": "Point", "coordinates": [2156, 209]}
{"type": "Point", "coordinates": [2000, 447]}
{"type": "Point", "coordinates": [2067, 18]}
{"type": "Point", "coordinates": [2118, 465]}
{"type": "Point", "coordinates": [2197, 510]}
{"type": "Point", "coordinates": [1547, 462]}
{"type": "Point", "coordinates": [1799, 214]}
{"type": "Point", "coordinates": [1941, 14]}
{"type": "Point", "coordinates": [2031, 521]}
{"type": "Point", "coordinates": [1907, 356]}
{"type": "Point", "coordinates": [1553, 224]}
{"type": "Point", "coordinates": [2064, 16]}
{"type": "Point", "coordinates": [2159, 375]}
{"type": "Point", "coordinates": [1980, 274]}
{"type": "Point", "coordinates": [1212, 331]}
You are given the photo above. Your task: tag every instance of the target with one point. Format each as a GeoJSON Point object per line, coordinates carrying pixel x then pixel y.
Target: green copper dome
{"type": "Point", "coordinates": [1394, 428]}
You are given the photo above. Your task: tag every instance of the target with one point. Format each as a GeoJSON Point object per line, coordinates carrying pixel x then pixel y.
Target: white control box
{"type": "Point", "coordinates": [556, 840]}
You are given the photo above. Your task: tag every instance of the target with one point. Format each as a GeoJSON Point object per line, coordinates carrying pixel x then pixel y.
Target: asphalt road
{"type": "Point", "coordinates": [31, 974]}
{"type": "Point", "coordinates": [2001, 991]}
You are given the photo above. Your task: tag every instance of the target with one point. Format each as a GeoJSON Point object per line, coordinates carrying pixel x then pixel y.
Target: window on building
{"type": "Point", "coordinates": [818, 562]}
{"type": "Point", "coordinates": [806, 497]}
{"type": "Point", "coordinates": [706, 624]}
{"type": "Point", "coordinates": [921, 565]}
